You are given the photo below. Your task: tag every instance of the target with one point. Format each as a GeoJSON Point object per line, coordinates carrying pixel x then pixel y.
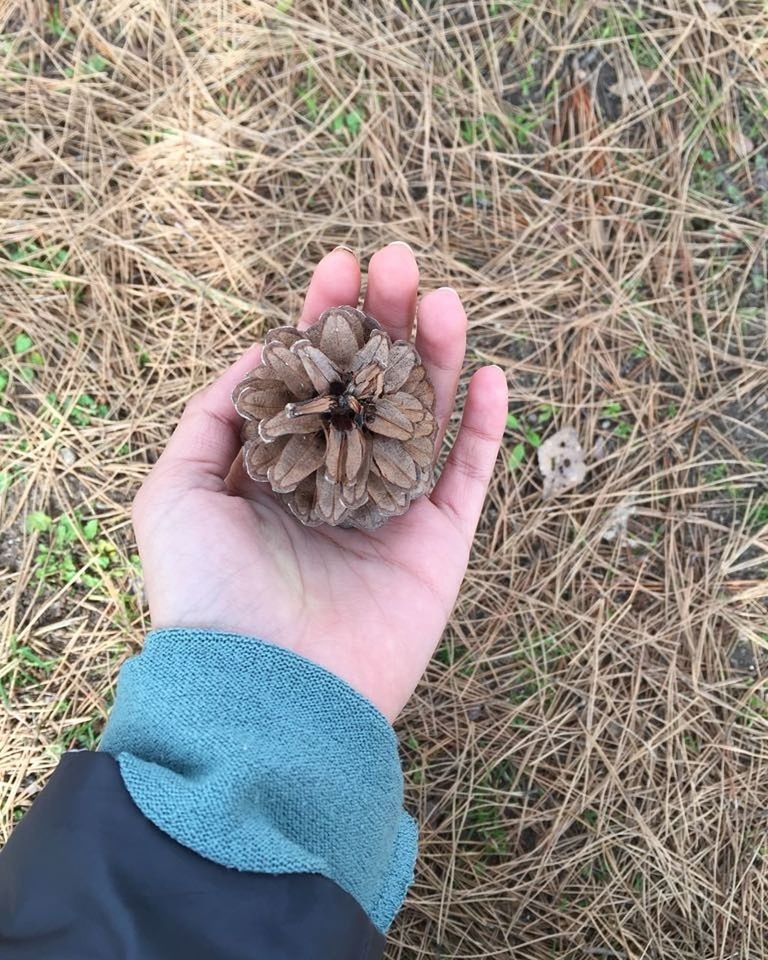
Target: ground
{"type": "Point", "coordinates": [588, 754]}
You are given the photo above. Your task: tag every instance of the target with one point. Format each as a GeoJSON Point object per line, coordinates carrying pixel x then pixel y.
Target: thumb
{"type": "Point", "coordinates": [207, 438]}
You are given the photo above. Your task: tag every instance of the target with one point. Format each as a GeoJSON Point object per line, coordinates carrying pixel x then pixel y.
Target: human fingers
{"type": "Point", "coordinates": [335, 283]}
{"type": "Point", "coordinates": [393, 282]}
{"type": "Point", "coordinates": [461, 489]}
{"type": "Point", "coordinates": [441, 340]}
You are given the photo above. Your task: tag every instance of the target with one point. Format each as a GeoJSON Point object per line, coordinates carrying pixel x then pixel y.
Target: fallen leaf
{"type": "Point", "coordinates": [616, 525]}
{"type": "Point", "coordinates": [599, 450]}
{"type": "Point", "coordinates": [627, 87]}
{"type": "Point", "coordinates": [645, 79]}
{"type": "Point", "coordinates": [742, 145]}
{"type": "Point", "coordinates": [561, 462]}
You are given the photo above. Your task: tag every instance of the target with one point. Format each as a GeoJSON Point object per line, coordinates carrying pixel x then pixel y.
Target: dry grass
{"type": "Point", "coordinates": [588, 756]}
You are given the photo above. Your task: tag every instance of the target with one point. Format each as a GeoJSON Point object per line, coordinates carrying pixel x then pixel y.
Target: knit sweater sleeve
{"type": "Point", "coordinates": [261, 761]}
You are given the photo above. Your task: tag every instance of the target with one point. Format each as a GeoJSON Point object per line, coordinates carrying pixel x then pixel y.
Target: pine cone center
{"type": "Point", "coordinates": [349, 412]}
{"type": "Point", "coordinates": [350, 402]}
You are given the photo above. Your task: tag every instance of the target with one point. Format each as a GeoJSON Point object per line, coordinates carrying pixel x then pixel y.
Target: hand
{"type": "Point", "coordinates": [220, 553]}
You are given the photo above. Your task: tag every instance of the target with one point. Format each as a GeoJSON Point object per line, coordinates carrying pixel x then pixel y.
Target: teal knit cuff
{"type": "Point", "coordinates": [261, 760]}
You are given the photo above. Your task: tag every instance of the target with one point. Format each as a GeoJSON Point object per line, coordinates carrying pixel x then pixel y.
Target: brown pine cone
{"type": "Point", "coordinates": [339, 421]}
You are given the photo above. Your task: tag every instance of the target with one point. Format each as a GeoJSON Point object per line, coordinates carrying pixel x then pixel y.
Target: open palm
{"type": "Point", "coordinates": [220, 553]}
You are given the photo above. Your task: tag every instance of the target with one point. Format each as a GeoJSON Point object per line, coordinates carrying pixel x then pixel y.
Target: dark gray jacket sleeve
{"type": "Point", "coordinates": [86, 876]}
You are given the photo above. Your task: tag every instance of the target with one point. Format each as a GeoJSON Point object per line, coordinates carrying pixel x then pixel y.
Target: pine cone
{"type": "Point", "coordinates": [339, 421]}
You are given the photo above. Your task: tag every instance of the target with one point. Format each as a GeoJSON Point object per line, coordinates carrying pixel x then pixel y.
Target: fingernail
{"type": "Point", "coordinates": [346, 249]}
{"type": "Point", "coordinates": [401, 243]}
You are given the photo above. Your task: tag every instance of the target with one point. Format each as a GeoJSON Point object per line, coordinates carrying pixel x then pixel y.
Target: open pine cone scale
{"type": "Point", "coordinates": [339, 421]}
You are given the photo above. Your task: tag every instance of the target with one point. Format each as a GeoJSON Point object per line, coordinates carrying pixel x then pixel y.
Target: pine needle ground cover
{"type": "Point", "coordinates": [588, 753]}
